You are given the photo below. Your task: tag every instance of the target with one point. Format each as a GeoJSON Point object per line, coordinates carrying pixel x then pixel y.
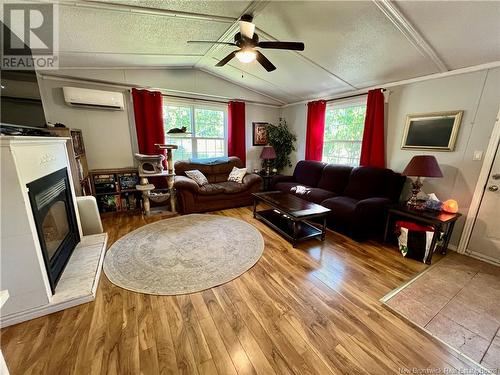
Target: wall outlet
{"type": "Point", "coordinates": [478, 155]}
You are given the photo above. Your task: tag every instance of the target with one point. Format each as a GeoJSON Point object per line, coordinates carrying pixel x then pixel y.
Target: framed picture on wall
{"type": "Point", "coordinates": [432, 131]}
{"type": "Point", "coordinates": [260, 133]}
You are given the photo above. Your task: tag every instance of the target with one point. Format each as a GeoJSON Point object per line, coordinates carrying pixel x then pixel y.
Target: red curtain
{"type": "Point", "coordinates": [372, 148]}
{"type": "Point", "coordinates": [315, 129]}
{"type": "Point", "coordinates": [148, 113]}
{"type": "Point", "coordinates": [236, 130]}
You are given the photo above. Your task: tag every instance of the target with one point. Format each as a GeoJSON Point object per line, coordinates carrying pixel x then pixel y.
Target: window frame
{"type": "Point", "coordinates": [193, 105]}
{"type": "Point", "coordinates": [341, 104]}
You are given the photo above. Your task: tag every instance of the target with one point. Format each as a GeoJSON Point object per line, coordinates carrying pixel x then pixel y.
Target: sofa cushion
{"type": "Point", "coordinates": [368, 182]}
{"type": "Point", "coordinates": [221, 171]}
{"type": "Point", "coordinates": [211, 189]}
{"type": "Point", "coordinates": [335, 178]}
{"type": "Point", "coordinates": [286, 186]}
{"type": "Point", "coordinates": [343, 208]}
{"type": "Point", "coordinates": [308, 172]}
{"type": "Point", "coordinates": [232, 187]}
{"type": "Point", "coordinates": [308, 193]}
{"type": "Point", "coordinates": [237, 175]}
{"type": "Point", "coordinates": [315, 195]}
{"type": "Point", "coordinates": [197, 177]}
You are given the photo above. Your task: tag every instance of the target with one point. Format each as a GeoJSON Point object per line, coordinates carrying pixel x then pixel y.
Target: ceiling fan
{"type": "Point", "coordinates": [247, 41]}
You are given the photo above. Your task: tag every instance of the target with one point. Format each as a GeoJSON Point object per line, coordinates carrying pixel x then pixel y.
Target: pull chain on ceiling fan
{"type": "Point", "coordinates": [247, 41]}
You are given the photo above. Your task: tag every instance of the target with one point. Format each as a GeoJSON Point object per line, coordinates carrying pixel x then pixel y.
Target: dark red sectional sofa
{"type": "Point", "coordinates": [358, 197]}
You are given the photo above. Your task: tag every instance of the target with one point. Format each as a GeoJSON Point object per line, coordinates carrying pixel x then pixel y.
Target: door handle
{"type": "Point", "coordinates": [496, 176]}
{"type": "Point", "coordinates": [492, 188]}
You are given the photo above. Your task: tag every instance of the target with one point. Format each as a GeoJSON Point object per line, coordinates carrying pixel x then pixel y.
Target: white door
{"type": "Point", "coordinates": [485, 239]}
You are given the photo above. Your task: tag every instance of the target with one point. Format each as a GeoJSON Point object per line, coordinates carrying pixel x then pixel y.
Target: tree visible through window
{"type": "Point", "coordinates": [344, 124]}
{"type": "Point", "coordinates": [206, 130]}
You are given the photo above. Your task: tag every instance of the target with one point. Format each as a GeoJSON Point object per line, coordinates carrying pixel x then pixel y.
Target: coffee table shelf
{"type": "Point", "coordinates": [281, 223]}
{"type": "Point", "coordinates": [289, 214]}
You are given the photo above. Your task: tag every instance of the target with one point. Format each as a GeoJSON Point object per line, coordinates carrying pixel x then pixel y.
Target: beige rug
{"type": "Point", "coordinates": [183, 255]}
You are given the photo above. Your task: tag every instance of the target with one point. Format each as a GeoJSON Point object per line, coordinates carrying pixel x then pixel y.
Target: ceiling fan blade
{"type": "Point", "coordinates": [211, 42]}
{"type": "Point", "coordinates": [268, 65]}
{"type": "Point", "coordinates": [226, 59]}
{"type": "Point", "coordinates": [294, 46]}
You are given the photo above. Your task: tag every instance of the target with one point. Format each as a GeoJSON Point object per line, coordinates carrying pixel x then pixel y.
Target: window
{"type": "Point", "coordinates": [206, 130]}
{"type": "Point", "coordinates": [344, 124]}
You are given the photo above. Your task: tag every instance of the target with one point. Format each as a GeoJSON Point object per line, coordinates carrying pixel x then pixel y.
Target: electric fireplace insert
{"type": "Point", "coordinates": [55, 219]}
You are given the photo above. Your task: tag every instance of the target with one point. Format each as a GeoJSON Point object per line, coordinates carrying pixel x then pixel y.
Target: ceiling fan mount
{"type": "Point", "coordinates": [247, 41]}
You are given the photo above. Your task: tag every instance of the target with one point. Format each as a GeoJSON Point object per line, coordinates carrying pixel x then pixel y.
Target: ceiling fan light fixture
{"type": "Point", "coordinates": [246, 55]}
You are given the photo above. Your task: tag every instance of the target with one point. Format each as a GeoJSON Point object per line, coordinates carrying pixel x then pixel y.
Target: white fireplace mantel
{"type": "Point", "coordinates": [23, 272]}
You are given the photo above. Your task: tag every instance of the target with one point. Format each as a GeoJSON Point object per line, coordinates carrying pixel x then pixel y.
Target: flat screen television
{"type": "Point", "coordinates": [20, 100]}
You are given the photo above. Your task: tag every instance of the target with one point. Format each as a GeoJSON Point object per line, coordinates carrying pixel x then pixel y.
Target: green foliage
{"type": "Point", "coordinates": [209, 123]}
{"type": "Point", "coordinates": [177, 117]}
{"type": "Point", "coordinates": [343, 135]}
{"type": "Point", "coordinates": [283, 141]}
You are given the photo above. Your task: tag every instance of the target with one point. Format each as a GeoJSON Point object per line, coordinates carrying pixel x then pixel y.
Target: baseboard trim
{"type": "Point", "coordinates": [482, 257]}
{"type": "Point", "coordinates": [37, 312]}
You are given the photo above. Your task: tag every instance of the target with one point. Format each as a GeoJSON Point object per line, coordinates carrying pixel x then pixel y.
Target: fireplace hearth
{"type": "Point", "coordinates": [55, 220]}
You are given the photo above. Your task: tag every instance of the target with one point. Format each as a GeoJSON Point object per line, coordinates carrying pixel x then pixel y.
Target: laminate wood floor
{"type": "Point", "coordinates": [310, 310]}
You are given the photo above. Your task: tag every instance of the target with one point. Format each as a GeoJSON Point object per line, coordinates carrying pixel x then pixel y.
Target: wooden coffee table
{"type": "Point", "coordinates": [289, 215]}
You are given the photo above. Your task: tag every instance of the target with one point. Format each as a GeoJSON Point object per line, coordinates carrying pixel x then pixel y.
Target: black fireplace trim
{"type": "Point", "coordinates": [73, 237]}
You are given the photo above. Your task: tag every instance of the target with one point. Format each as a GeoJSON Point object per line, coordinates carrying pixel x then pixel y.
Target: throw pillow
{"type": "Point", "coordinates": [197, 177]}
{"type": "Point", "coordinates": [237, 175]}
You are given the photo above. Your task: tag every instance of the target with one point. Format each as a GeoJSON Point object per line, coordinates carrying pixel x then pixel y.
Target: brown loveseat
{"type": "Point", "coordinates": [220, 193]}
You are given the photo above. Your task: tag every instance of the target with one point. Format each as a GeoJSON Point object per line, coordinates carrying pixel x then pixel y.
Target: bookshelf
{"type": "Point", "coordinates": [77, 158]}
{"type": "Point", "coordinates": [115, 190]}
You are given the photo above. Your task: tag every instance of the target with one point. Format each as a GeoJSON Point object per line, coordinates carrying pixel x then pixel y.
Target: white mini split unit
{"type": "Point", "coordinates": [76, 96]}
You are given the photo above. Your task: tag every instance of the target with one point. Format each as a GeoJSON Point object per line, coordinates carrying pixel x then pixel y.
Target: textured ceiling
{"type": "Point", "coordinates": [463, 33]}
{"type": "Point", "coordinates": [349, 44]}
{"type": "Point", "coordinates": [216, 8]}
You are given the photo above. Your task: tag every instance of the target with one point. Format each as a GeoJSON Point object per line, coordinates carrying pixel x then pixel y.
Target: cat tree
{"type": "Point", "coordinates": [152, 166]}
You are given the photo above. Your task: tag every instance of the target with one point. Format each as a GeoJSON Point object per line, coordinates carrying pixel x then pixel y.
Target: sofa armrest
{"type": "Point", "coordinates": [281, 178]}
{"type": "Point", "coordinates": [371, 207]}
{"type": "Point", "coordinates": [185, 183]}
{"type": "Point", "coordinates": [251, 179]}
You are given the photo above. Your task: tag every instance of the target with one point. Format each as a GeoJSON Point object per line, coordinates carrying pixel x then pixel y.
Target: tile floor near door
{"type": "Point", "coordinates": [458, 301]}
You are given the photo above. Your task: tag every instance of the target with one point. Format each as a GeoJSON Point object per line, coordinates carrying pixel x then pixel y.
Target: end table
{"type": "Point", "coordinates": [266, 181]}
{"type": "Point", "coordinates": [439, 220]}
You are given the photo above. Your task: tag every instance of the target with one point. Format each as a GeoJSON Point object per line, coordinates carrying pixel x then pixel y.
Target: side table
{"type": "Point", "coordinates": [440, 221]}
{"type": "Point", "coordinates": [266, 181]}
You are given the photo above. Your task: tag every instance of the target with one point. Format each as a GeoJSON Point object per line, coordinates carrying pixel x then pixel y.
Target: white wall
{"type": "Point", "coordinates": [255, 113]}
{"type": "Point", "coordinates": [108, 135]}
{"type": "Point", "coordinates": [296, 119]}
{"type": "Point", "coordinates": [477, 93]}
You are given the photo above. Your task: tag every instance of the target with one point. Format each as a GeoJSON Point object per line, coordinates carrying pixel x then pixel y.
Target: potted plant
{"type": "Point", "coordinates": [283, 141]}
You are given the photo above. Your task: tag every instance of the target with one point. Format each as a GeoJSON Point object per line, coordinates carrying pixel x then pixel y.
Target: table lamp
{"type": "Point", "coordinates": [267, 154]}
{"type": "Point", "coordinates": [421, 166]}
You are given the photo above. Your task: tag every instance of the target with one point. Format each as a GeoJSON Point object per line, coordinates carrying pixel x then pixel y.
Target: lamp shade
{"type": "Point", "coordinates": [423, 166]}
{"type": "Point", "coordinates": [268, 153]}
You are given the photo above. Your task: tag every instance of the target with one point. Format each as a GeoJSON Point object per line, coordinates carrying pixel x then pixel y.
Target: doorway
{"type": "Point", "coordinates": [482, 236]}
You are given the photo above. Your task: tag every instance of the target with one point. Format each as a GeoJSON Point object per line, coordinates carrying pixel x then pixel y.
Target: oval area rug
{"type": "Point", "coordinates": [184, 254]}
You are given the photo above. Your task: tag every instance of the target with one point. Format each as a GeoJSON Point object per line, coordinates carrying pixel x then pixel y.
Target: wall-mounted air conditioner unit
{"type": "Point", "coordinates": [76, 96]}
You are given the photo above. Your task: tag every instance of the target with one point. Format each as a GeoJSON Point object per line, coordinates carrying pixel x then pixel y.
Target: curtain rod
{"type": "Point", "coordinates": [207, 100]}
{"type": "Point", "coordinates": [349, 96]}
{"type": "Point", "coordinates": [197, 99]}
